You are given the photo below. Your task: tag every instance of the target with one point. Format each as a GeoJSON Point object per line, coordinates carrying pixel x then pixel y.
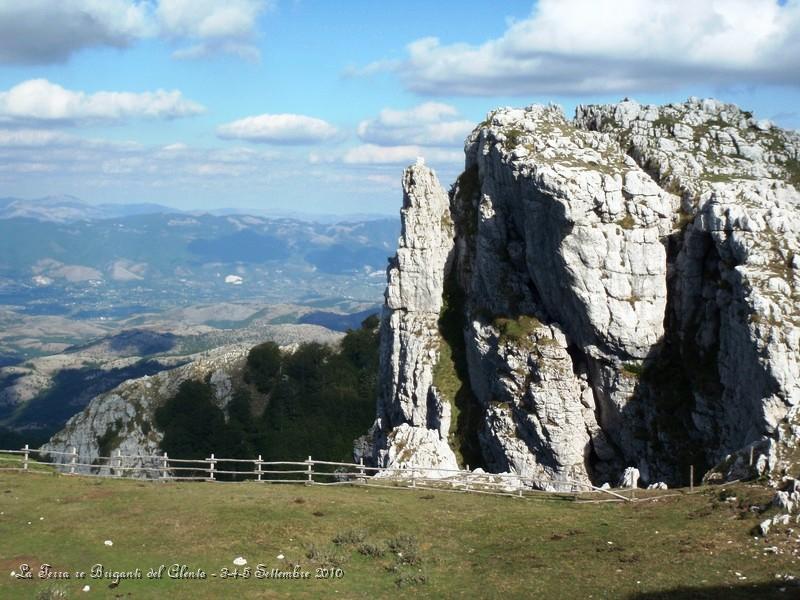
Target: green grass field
{"type": "Point", "coordinates": [387, 543]}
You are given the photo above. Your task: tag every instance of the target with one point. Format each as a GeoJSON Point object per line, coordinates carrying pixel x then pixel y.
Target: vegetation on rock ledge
{"type": "Point", "coordinates": [451, 378]}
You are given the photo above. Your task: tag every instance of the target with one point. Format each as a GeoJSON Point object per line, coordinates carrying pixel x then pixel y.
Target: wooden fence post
{"type": "Point", "coordinates": [119, 464]}
{"type": "Point", "coordinates": [310, 475]}
{"type": "Point", "coordinates": [73, 459]}
{"type": "Point", "coordinates": [211, 462]}
{"type": "Point", "coordinates": [164, 466]}
{"type": "Point", "coordinates": [361, 474]}
{"type": "Point", "coordinates": [25, 458]}
{"type": "Point", "coordinates": [258, 467]}
{"type": "Point", "coordinates": [691, 478]}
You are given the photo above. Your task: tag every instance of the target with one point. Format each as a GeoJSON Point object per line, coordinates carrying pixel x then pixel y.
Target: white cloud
{"type": "Point", "coordinates": [246, 51]}
{"type": "Point", "coordinates": [195, 177]}
{"type": "Point", "coordinates": [51, 31]}
{"type": "Point", "coordinates": [370, 154]}
{"type": "Point", "coordinates": [215, 26]}
{"type": "Point", "coordinates": [429, 124]}
{"type": "Point", "coordinates": [279, 129]}
{"type": "Point", "coordinates": [40, 101]}
{"type": "Point", "coordinates": [32, 138]}
{"type": "Point", "coordinates": [591, 46]}
{"type": "Point", "coordinates": [47, 31]}
{"type": "Point", "coordinates": [176, 147]}
{"type": "Point", "coordinates": [22, 150]}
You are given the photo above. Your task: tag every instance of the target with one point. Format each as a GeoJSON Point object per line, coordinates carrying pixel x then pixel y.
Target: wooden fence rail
{"type": "Point", "coordinates": [161, 467]}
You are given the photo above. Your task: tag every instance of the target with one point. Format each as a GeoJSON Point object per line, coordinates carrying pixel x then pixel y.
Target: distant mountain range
{"type": "Point", "coordinates": [140, 247]}
{"type": "Point", "coordinates": [65, 209]}
{"type": "Point", "coordinates": [53, 263]}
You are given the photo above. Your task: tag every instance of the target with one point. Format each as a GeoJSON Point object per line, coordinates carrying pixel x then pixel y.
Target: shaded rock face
{"type": "Point", "coordinates": [628, 295]}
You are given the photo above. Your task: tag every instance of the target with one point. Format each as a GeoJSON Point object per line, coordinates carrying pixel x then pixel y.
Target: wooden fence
{"type": "Point", "coordinates": [161, 467]}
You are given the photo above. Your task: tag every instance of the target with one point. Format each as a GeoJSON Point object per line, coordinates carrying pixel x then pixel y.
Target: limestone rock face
{"type": "Point", "coordinates": [621, 290]}
{"type": "Point", "coordinates": [124, 418]}
{"type": "Point", "coordinates": [412, 447]}
{"type": "Point", "coordinates": [409, 331]}
{"type": "Point", "coordinates": [630, 478]}
{"type": "Point", "coordinates": [530, 425]}
{"type": "Point", "coordinates": [734, 290]}
{"type": "Point", "coordinates": [560, 228]}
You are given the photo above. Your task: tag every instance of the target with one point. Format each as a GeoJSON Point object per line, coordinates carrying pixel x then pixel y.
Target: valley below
{"type": "Point", "coordinates": [86, 305]}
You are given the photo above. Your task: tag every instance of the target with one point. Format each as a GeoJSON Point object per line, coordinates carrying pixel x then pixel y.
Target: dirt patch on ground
{"type": "Point", "coordinates": [90, 495]}
{"type": "Point", "coordinates": [13, 564]}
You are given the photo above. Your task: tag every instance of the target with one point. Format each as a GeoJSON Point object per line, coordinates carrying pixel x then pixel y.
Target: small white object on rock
{"type": "Point", "coordinates": [108, 543]}
{"type": "Point", "coordinates": [605, 486]}
{"type": "Point", "coordinates": [86, 588]}
{"type": "Point", "coordinates": [280, 557]}
{"type": "Point", "coordinates": [240, 561]}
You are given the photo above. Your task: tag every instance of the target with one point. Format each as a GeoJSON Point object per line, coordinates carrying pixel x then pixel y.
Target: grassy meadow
{"type": "Point", "coordinates": [381, 543]}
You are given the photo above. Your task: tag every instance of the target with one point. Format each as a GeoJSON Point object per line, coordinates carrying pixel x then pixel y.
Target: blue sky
{"type": "Point", "coordinates": [316, 106]}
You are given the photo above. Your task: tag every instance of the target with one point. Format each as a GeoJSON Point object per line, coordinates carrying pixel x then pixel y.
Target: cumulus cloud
{"type": "Point", "coordinates": [278, 129]}
{"type": "Point", "coordinates": [50, 31]}
{"type": "Point", "coordinates": [38, 101]}
{"type": "Point", "coordinates": [591, 46]}
{"type": "Point", "coordinates": [213, 26]}
{"type": "Point", "coordinates": [429, 124]}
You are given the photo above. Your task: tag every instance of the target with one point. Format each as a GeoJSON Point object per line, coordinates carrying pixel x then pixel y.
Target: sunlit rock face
{"type": "Point", "coordinates": [616, 290]}
{"type": "Point", "coordinates": [412, 423]}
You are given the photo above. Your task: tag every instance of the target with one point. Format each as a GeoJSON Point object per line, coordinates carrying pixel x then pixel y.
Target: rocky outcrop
{"type": "Point", "coordinates": [123, 419]}
{"type": "Point", "coordinates": [623, 289]}
{"type": "Point", "coordinates": [413, 420]}
{"type": "Point", "coordinates": [733, 315]}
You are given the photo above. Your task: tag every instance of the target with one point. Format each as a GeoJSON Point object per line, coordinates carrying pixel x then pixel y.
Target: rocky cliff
{"type": "Point", "coordinates": [124, 418]}
{"type": "Point", "coordinates": [621, 289]}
